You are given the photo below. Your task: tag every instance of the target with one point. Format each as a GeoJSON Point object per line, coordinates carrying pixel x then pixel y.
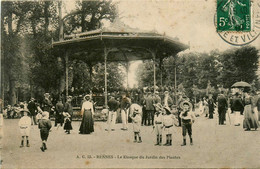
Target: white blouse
{"type": "Point", "coordinates": [86, 106]}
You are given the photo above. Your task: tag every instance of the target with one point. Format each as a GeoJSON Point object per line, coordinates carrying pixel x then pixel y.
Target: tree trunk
{"type": "Point", "coordinates": [12, 91]}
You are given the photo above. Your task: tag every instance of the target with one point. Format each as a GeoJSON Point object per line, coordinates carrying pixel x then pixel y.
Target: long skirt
{"type": "Point", "coordinates": [67, 125]}
{"type": "Point", "coordinates": [87, 123]}
{"type": "Point", "coordinates": [250, 119]}
{"type": "Point", "coordinates": [237, 118]}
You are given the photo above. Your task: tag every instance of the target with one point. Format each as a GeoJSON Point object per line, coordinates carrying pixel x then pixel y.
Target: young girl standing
{"type": "Point", "coordinates": [137, 119]}
{"type": "Point", "coordinates": [25, 127]}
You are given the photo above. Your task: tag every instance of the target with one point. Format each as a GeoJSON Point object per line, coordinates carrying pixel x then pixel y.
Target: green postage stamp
{"type": "Point", "coordinates": [238, 21]}
{"type": "Point", "coordinates": [233, 15]}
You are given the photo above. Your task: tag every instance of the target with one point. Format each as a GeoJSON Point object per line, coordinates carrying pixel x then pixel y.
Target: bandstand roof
{"type": "Point", "coordinates": [123, 44]}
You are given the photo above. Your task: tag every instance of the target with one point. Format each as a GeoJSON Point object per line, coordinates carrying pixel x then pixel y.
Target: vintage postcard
{"type": "Point", "coordinates": [130, 84]}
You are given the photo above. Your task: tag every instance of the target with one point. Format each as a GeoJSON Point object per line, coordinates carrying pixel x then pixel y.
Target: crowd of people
{"type": "Point", "coordinates": [162, 113]}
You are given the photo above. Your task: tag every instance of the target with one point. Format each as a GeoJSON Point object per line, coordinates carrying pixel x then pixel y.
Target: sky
{"type": "Point", "coordinates": [192, 21]}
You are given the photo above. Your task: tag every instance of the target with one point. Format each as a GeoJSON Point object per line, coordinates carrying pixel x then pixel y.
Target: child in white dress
{"type": "Point", "coordinates": [137, 119]}
{"type": "Point", "coordinates": [25, 127]}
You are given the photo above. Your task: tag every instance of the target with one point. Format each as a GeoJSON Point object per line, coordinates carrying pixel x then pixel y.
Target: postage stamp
{"type": "Point", "coordinates": [238, 21]}
{"type": "Point", "coordinates": [233, 15]}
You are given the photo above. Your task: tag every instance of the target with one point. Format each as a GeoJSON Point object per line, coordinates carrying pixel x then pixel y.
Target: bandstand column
{"type": "Point", "coordinates": [105, 62]}
{"type": "Point", "coordinates": [67, 72]}
{"type": "Point", "coordinates": [154, 72]}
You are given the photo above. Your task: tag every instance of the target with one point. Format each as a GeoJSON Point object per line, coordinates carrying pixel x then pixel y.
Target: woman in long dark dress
{"type": "Point", "coordinates": [87, 111]}
{"type": "Point", "coordinates": [250, 119]}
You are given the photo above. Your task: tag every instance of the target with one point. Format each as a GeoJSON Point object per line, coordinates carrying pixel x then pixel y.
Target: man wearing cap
{"type": "Point", "coordinates": [113, 106]}
{"type": "Point", "coordinates": [124, 105]}
{"type": "Point", "coordinates": [33, 110]}
{"type": "Point", "coordinates": [222, 107]}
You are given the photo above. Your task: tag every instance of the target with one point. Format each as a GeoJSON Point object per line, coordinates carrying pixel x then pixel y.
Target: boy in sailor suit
{"type": "Point", "coordinates": [158, 123]}
{"type": "Point", "coordinates": [168, 123]}
{"type": "Point", "coordinates": [188, 118]}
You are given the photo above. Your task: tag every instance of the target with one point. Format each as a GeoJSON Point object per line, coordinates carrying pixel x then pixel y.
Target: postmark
{"type": "Point", "coordinates": [238, 21]}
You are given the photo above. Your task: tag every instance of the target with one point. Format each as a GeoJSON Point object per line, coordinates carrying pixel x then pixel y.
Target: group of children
{"type": "Point", "coordinates": [165, 120]}
{"type": "Point", "coordinates": [44, 124]}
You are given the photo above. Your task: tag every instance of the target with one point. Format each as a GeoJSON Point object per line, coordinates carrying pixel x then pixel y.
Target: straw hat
{"type": "Point", "coordinates": [185, 103]}
{"type": "Point", "coordinates": [87, 96]}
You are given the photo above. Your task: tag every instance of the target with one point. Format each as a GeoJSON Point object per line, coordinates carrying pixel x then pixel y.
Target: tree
{"type": "Point", "coordinates": [239, 64]}
{"type": "Point", "coordinates": [12, 17]}
{"type": "Point", "coordinates": [89, 15]}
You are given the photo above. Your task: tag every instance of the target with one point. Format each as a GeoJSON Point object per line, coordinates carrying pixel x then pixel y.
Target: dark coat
{"type": "Point", "coordinates": [68, 108]}
{"type": "Point", "coordinates": [222, 102]}
{"type": "Point", "coordinates": [113, 105]}
{"type": "Point", "coordinates": [149, 101]}
{"type": "Point", "coordinates": [46, 105]}
{"type": "Point", "coordinates": [237, 104]}
{"type": "Point", "coordinates": [32, 108]}
{"type": "Point", "coordinates": [125, 103]}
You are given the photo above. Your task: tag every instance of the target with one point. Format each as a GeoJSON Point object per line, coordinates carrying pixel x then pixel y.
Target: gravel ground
{"type": "Point", "coordinates": [214, 146]}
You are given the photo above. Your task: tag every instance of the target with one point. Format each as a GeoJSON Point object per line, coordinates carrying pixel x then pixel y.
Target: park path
{"type": "Point", "coordinates": [214, 146]}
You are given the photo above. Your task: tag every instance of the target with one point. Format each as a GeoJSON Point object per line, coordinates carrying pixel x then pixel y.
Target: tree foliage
{"type": "Point", "coordinates": [206, 72]}
{"type": "Point", "coordinates": [27, 30]}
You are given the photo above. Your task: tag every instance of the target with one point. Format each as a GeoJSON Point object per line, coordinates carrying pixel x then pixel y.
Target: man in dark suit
{"type": "Point", "coordinates": [149, 108]}
{"type": "Point", "coordinates": [222, 107]}
{"type": "Point", "coordinates": [33, 109]}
